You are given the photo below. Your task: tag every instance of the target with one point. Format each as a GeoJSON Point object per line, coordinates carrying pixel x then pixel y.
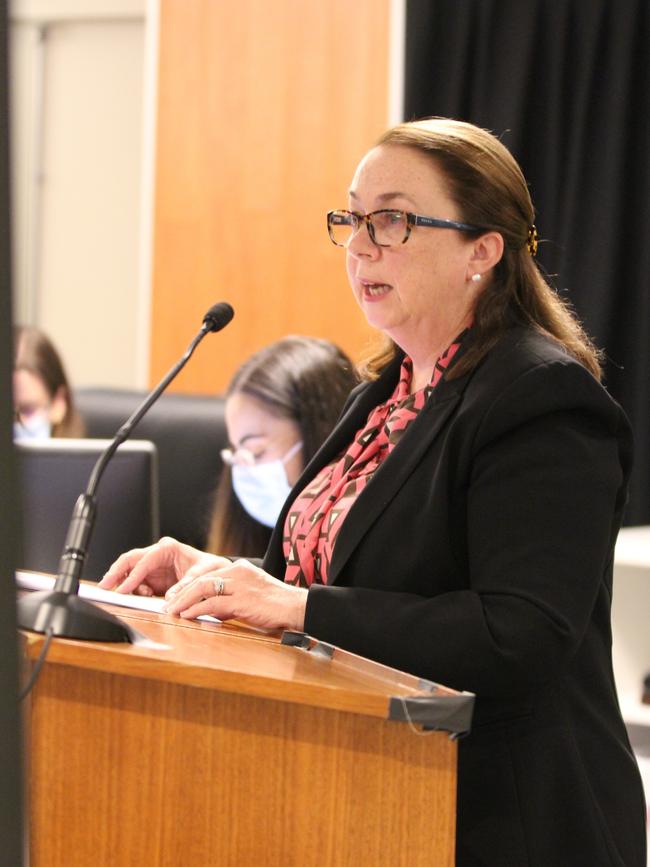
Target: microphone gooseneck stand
{"type": "Point", "coordinates": [61, 611]}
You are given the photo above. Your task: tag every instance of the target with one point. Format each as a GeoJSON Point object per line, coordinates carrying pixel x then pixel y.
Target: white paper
{"type": "Point", "coordinates": [40, 581]}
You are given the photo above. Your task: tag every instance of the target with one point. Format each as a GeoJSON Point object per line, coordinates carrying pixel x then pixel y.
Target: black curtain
{"type": "Point", "coordinates": [566, 85]}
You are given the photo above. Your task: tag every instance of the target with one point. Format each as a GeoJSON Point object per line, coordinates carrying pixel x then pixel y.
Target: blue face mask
{"type": "Point", "coordinates": [263, 488]}
{"type": "Point", "coordinates": [37, 427]}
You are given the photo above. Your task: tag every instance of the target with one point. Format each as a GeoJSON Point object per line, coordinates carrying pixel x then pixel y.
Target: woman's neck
{"type": "Point", "coordinates": [424, 363]}
{"type": "Point", "coordinates": [421, 378]}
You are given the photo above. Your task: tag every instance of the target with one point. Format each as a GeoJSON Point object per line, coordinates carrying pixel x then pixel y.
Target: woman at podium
{"type": "Point", "coordinates": [459, 522]}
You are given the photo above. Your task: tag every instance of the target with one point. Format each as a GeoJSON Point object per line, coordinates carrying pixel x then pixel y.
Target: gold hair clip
{"type": "Point", "coordinates": [531, 243]}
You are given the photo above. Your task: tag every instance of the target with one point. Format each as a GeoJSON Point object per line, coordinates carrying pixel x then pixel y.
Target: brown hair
{"type": "Point", "coordinates": [304, 379]}
{"type": "Point", "coordinates": [35, 352]}
{"type": "Point", "coordinates": [488, 187]}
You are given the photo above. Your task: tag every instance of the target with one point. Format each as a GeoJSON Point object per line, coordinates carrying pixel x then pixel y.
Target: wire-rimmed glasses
{"type": "Point", "coordinates": [238, 457]}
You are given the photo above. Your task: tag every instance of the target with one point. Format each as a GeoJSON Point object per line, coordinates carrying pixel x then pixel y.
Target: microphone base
{"type": "Point", "coordinates": [69, 616]}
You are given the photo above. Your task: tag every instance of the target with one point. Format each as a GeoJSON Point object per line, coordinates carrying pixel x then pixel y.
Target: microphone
{"type": "Point", "coordinates": [218, 316]}
{"type": "Point", "coordinates": [61, 610]}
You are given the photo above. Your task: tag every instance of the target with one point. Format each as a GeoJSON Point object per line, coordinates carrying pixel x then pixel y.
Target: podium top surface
{"type": "Point", "coordinates": [235, 658]}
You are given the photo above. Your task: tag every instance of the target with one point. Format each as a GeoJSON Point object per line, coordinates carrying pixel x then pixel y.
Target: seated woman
{"type": "Point", "coordinates": [43, 399]}
{"type": "Point", "coordinates": [280, 406]}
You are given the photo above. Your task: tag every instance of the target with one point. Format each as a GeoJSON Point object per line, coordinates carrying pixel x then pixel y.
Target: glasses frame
{"type": "Point", "coordinates": [237, 457]}
{"type": "Point", "coordinates": [411, 221]}
{"type": "Point", "coordinates": [245, 457]}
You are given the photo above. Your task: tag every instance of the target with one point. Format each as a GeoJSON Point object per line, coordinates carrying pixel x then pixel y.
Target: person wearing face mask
{"type": "Point", "coordinates": [281, 404]}
{"type": "Point", "coordinates": [43, 401]}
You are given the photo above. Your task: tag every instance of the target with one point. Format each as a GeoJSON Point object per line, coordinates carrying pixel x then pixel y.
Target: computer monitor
{"type": "Point", "coordinates": [52, 473]}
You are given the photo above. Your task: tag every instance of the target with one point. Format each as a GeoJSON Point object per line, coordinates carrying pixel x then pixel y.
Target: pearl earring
{"type": "Point", "coordinates": [476, 277]}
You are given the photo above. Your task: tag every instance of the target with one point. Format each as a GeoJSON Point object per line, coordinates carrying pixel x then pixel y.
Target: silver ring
{"type": "Point", "coordinates": [219, 586]}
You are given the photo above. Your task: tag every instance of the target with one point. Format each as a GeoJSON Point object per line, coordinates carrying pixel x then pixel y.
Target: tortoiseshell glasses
{"type": "Point", "coordinates": [387, 227]}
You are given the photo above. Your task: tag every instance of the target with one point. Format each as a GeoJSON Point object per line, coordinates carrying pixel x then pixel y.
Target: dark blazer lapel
{"type": "Point", "coordinates": [354, 416]}
{"type": "Point", "coordinates": [360, 403]}
{"type": "Point", "coordinates": [390, 476]}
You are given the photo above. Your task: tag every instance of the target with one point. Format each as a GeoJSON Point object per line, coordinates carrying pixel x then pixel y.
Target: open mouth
{"type": "Point", "coordinates": [375, 290]}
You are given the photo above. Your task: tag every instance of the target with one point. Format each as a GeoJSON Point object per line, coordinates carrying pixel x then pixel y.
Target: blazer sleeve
{"type": "Point", "coordinates": [547, 484]}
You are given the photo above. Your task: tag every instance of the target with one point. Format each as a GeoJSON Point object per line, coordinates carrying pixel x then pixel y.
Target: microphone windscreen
{"type": "Point", "coordinates": [218, 316]}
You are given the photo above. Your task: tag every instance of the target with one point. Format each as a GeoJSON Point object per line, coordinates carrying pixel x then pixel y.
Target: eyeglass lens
{"type": "Point", "coordinates": [386, 228]}
{"type": "Point", "coordinates": [241, 456]}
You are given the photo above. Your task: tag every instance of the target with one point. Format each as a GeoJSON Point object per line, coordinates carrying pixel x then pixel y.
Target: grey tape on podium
{"type": "Point", "coordinates": [306, 642]}
{"type": "Point", "coordinates": [439, 709]}
{"type": "Point", "coordinates": [442, 712]}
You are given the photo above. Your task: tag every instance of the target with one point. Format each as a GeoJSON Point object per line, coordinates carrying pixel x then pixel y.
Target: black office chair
{"type": "Point", "coordinates": [188, 430]}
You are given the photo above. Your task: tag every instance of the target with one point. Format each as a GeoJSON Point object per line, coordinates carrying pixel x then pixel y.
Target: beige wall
{"type": "Point", "coordinates": [77, 120]}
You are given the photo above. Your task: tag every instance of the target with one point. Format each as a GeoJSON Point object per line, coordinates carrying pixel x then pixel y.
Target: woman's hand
{"type": "Point", "coordinates": [240, 591]}
{"type": "Point", "coordinates": [152, 571]}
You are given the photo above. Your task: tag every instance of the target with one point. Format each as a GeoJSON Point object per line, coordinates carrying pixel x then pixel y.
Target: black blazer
{"type": "Point", "coordinates": [480, 557]}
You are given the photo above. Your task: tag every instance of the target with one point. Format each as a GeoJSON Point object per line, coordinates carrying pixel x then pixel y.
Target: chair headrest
{"type": "Point", "coordinates": [188, 430]}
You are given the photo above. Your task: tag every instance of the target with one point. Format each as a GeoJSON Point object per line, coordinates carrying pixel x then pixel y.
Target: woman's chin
{"type": "Point", "coordinates": [389, 324]}
{"type": "Point", "coordinates": [379, 311]}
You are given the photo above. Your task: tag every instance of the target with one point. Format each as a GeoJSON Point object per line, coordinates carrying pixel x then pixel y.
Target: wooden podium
{"type": "Point", "coordinates": [215, 744]}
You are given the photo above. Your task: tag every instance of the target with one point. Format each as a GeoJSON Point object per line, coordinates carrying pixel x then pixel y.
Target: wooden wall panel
{"type": "Point", "coordinates": [264, 110]}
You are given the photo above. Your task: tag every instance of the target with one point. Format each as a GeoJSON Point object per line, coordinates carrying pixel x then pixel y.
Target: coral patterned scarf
{"type": "Point", "coordinates": [317, 514]}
